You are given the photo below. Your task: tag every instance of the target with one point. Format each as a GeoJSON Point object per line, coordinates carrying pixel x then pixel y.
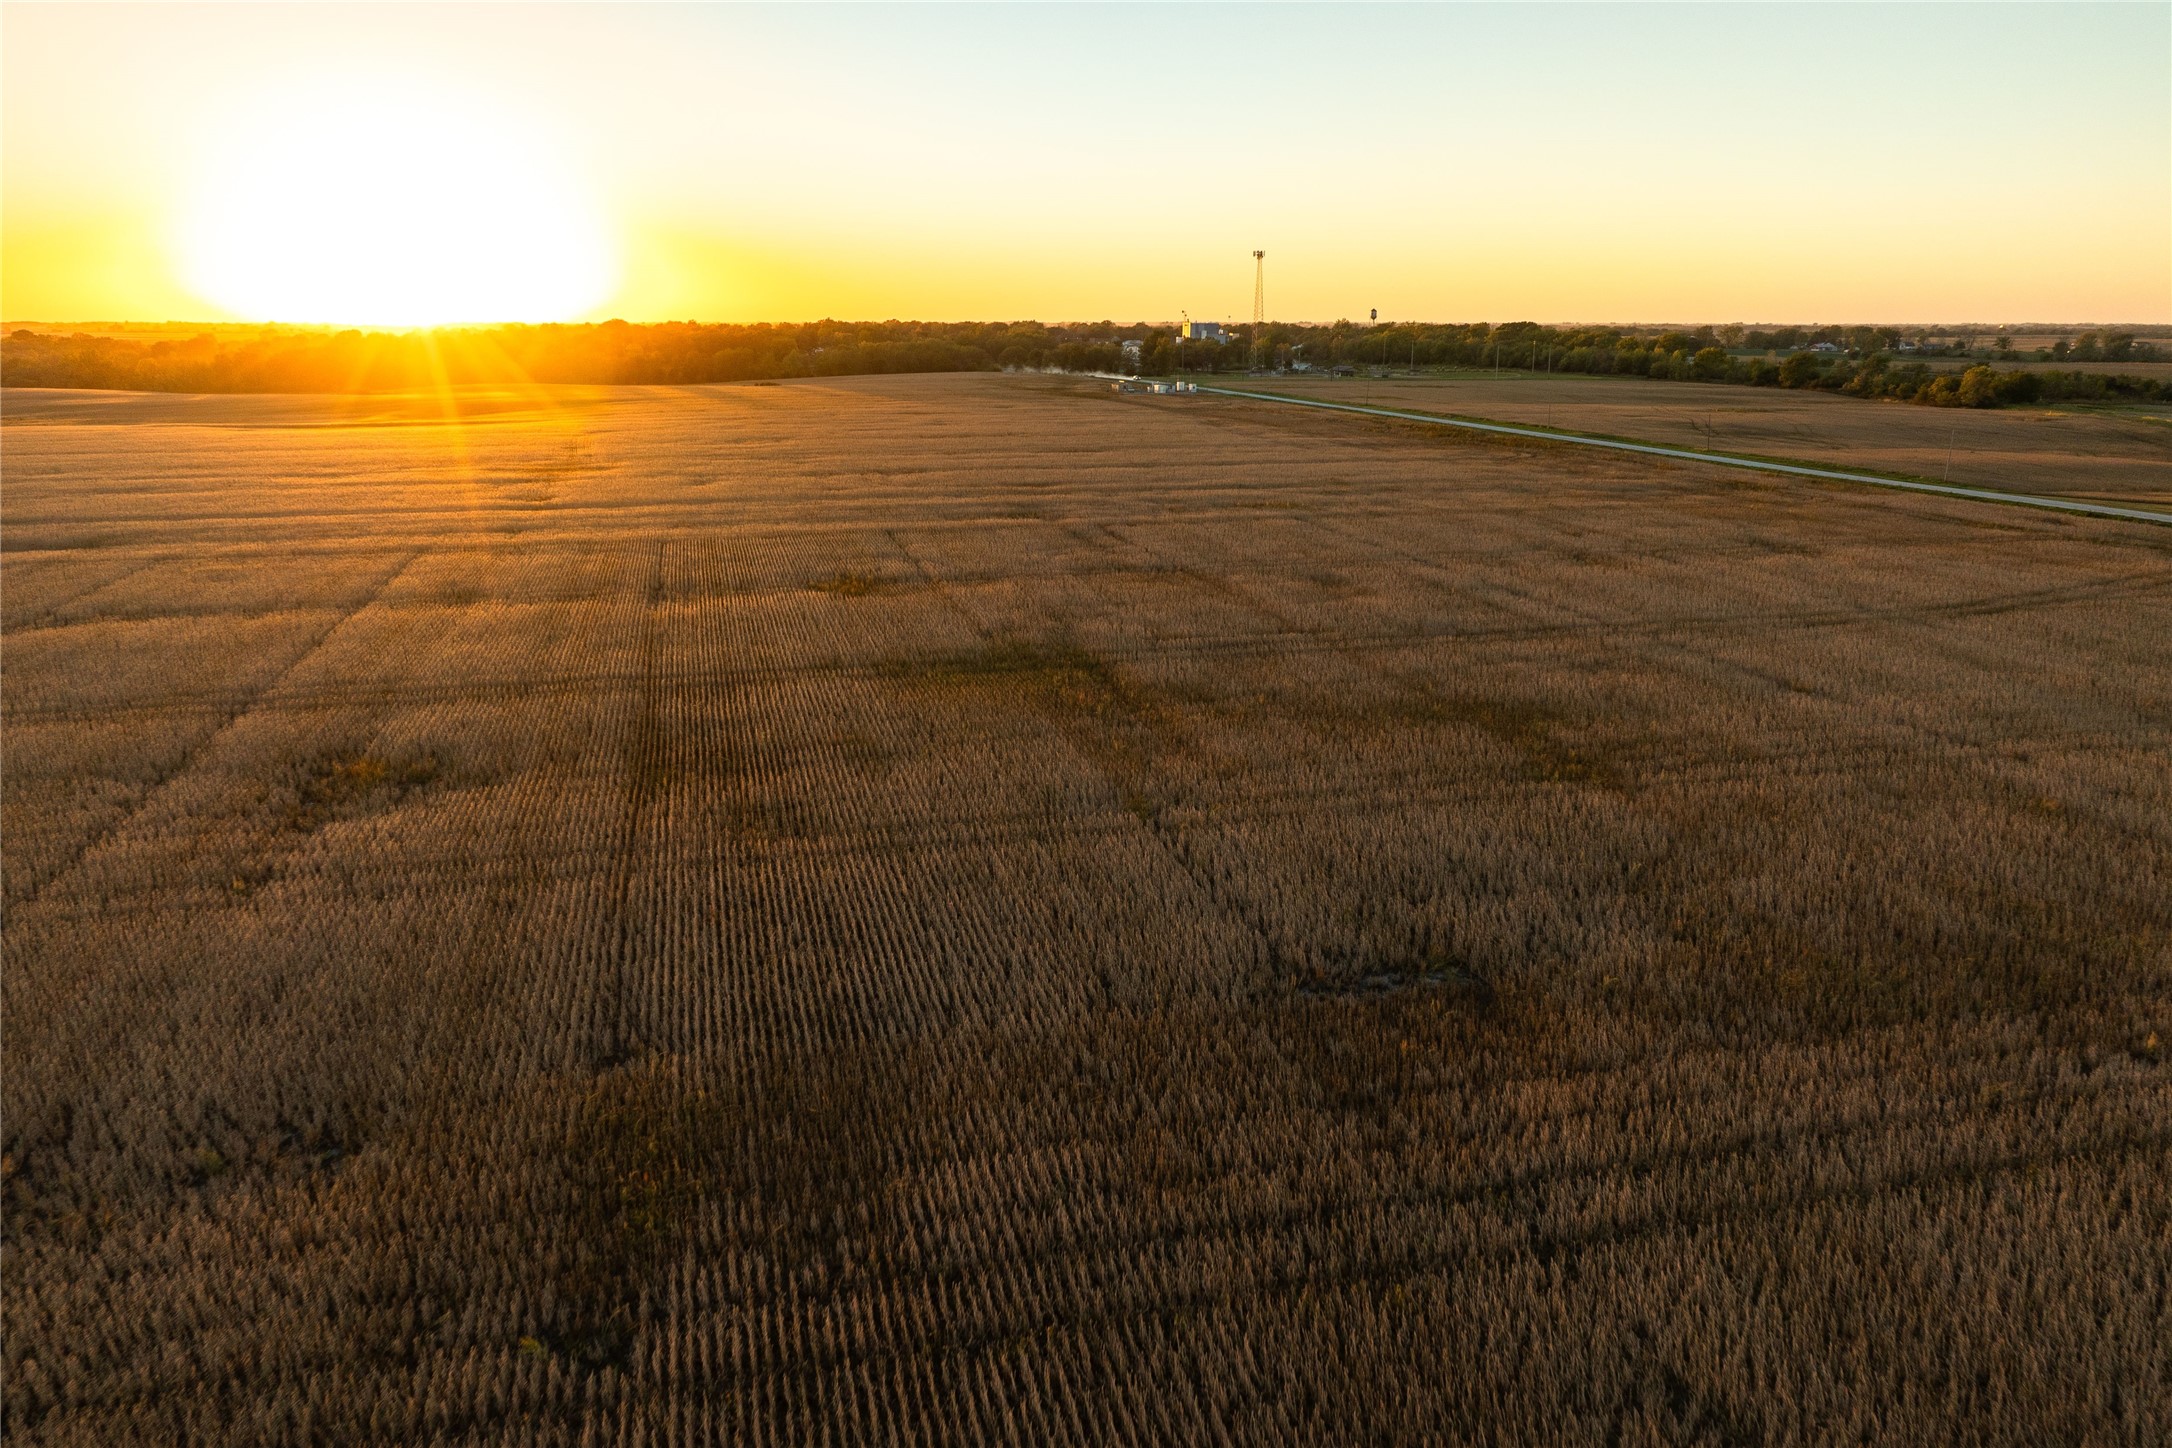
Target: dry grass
{"type": "Point", "coordinates": [2116, 454]}
{"type": "Point", "coordinates": [951, 909]}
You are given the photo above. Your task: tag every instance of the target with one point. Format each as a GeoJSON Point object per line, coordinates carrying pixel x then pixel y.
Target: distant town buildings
{"type": "Point", "coordinates": [1203, 332]}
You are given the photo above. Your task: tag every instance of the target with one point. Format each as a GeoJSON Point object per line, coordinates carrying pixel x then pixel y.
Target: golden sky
{"type": "Point", "coordinates": [399, 164]}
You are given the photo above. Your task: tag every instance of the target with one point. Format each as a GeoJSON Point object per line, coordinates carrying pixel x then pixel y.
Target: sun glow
{"type": "Point", "coordinates": [390, 205]}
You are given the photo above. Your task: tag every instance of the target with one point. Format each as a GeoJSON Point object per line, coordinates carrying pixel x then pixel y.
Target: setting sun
{"type": "Point", "coordinates": [389, 206]}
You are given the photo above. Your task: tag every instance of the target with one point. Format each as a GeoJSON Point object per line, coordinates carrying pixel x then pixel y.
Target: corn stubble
{"type": "Point", "coordinates": [936, 910]}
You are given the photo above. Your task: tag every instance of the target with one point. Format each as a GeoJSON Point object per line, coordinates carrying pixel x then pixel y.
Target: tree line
{"type": "Point", "coordinates": [234, 360]}
{"type": "Point", "coordinates": [1856, 361]}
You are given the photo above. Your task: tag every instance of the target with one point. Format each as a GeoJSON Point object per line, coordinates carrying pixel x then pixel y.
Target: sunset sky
{"type": "Point", "coordinates": [1558, 162]}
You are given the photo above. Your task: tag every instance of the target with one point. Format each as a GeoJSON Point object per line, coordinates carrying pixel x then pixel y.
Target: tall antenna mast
{"type": "Point", "coordinates": [1259, 290]}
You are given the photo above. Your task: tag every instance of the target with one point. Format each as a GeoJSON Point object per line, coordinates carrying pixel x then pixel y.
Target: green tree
{"type": "Point", "coordinates": [1979, 387]}
{"type": "Point", "coordinates": [1800, 370]}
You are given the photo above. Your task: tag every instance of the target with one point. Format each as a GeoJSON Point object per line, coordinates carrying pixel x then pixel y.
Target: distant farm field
{"type": "Point", "coordinates": [983, 909]}
{"type": "Point", "coordinates": [2156, 371]}
{"type": "Point", "coordinates": [2112, 454]}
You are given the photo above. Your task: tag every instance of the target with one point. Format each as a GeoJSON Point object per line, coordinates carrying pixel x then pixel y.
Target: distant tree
{"type": "Point", "coordinates": [2020, 387]}
{"type": "Point", "coordinates": [1801, 370]}
{"type": "Point", "coordinates": [1979, 387]}
{"type": "Point", "coordinates": [1711, 364]}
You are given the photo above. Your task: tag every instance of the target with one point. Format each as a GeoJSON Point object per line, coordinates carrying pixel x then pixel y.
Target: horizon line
{"type": "Point", "coordinates": [10, 326]}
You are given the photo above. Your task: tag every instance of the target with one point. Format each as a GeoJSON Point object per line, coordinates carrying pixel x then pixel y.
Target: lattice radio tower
{"type": "Point", "coordinates": [1259, 289]}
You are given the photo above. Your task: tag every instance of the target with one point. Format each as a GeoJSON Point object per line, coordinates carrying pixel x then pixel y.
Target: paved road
{"type": "Point", "coordinates": [1983, 495]}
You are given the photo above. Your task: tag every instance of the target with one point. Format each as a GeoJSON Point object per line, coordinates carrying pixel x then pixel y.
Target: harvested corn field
{"type": "Point", "coordinates": [2106, 454]}
{"type": "Point", "coordinates": [981, 909]}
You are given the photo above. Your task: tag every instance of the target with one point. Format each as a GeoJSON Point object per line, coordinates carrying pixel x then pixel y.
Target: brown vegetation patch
{"type": "Point", "coordinates": [1434, 973]}
{"type": "Point", "coordinates": [1056, 666]}
{"type": "Point", "coordinates": [344, 784]}
{"type": "Point", "coordinates": [1553, 742]}
{"type": "Point", "coordinates": [853, 585]}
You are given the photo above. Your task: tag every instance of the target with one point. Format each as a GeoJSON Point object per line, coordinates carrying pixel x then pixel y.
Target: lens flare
{"type": "Point", "coordinates": [390, 205]}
